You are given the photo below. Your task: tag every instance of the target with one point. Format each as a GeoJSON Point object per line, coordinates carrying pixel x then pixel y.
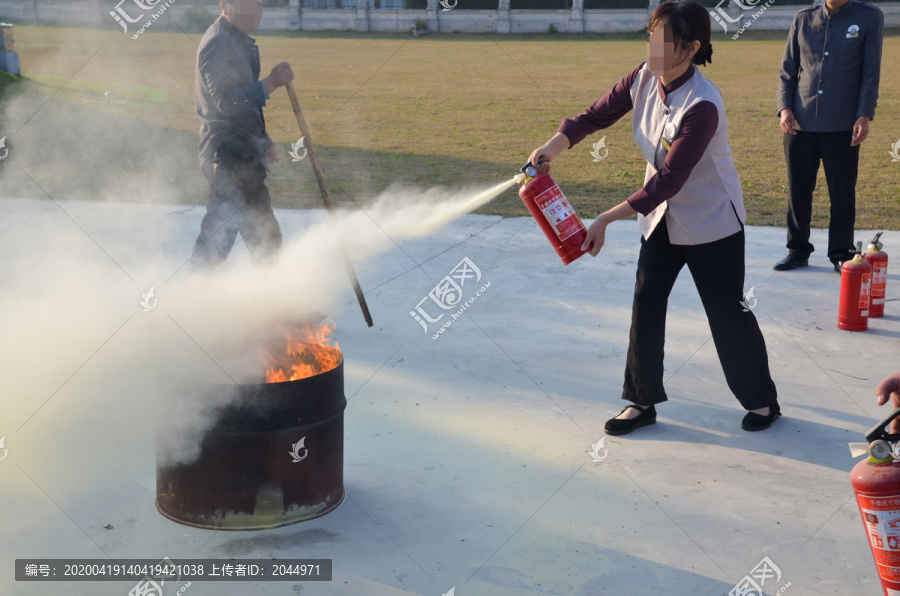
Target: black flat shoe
{"type": "Point", "coordinates": [616, 426]}
{"type": "Point", "coordinates": [791, 262]}
{"type": "Point", "coordinates": [753, 422]}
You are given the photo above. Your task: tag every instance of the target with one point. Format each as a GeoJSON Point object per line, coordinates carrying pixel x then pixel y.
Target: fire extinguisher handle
{"type": "Point", "coordinates": [878, 431]}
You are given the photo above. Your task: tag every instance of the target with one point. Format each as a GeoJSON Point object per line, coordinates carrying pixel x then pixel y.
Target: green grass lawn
{"type": "Point", "coordinates": [438, 110]}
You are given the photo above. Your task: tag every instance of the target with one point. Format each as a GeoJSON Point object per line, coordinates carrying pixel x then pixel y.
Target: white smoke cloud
{"type": "Point", "coordinates": [71, 311]}
{"type": "Point", "coordinates": [86, 374]}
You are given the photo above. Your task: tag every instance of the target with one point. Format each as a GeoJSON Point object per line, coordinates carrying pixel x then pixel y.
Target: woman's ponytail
{"type": "Point", "coordinates": [703, 55]}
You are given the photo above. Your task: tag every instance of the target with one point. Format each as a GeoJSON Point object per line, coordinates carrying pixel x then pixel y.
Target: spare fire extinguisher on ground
{"type": "Point", "coordinates": [856, 285]}
{"type": "Point", "coordinates": [876, 483]}
{"type": "Point", "coordinates": [878, 259]}
{"type": "Point", "coordinates": [552, 211]}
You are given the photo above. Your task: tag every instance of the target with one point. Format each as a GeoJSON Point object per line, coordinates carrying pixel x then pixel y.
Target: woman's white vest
{"type": "Point", "coordinates": [710, 205]}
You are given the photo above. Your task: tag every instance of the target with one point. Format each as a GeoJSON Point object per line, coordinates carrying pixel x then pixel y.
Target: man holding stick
{"type": "Point", "coordinates": [235, 151]}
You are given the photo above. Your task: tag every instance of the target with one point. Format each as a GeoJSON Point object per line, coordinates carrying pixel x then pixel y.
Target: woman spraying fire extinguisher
{"type": "Point", "coordinates": [691, 212]}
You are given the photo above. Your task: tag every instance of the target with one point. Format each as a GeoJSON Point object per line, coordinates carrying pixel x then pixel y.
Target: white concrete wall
{"type": "Point", "coordinates": [394, 20]}
{"type": "Point", "coordinates": [77, 12]}
{"type": "Point", "coordinates": [465, 21]}
{"type": "Point", "coordinates": [615, 21]}
{"type": "Point", "coordinates": [274, 19]}
{"type": "Point", "coordinates": [327, 20]}
{"type": "Point", "coordinates": [538, 21]}
{"type": "Point", "coordinates": [294, 18]}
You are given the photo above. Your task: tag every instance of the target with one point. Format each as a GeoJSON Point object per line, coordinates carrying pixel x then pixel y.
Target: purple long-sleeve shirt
{"type": "Point", "coordinates": [697, 128]}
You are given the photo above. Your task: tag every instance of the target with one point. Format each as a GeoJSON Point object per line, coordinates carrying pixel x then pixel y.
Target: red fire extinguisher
{"type": "Point", "coordinates": [856, 283]}
{"type": "Point", "coordinates": [876, 483]}
{"type": "Point", "coordinates": [552, 211]}
{"type": "Point", "coordinates": [879, 261]}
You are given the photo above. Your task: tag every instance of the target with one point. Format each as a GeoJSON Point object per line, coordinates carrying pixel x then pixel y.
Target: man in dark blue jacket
{"type": "Point", "coordinates": [235, 151]}
{"type": "Point", "coordinates": [826, 97]}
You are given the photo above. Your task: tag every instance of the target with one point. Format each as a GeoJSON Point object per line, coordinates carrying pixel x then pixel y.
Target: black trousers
{"type": "Point", "coordinates": [803, 152]}
{"type": "Point", "coordinates": [718, 272]}
{"type": "Point", "coordinates": [239, 202]}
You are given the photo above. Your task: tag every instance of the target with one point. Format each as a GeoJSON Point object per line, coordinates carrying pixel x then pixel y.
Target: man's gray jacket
{"type": "Point", "coordinates": [229, 96]}
{"type": "Point", "coordinates": [831, 67]}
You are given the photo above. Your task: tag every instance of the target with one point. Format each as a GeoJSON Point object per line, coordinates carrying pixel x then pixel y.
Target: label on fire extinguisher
{"type": "Point", "coordinates": [865, 294]}
{"type": "Point", "coordinates": [560, 215]}
{"type": "Point", "coordinates": [881, 516]}
{"type": "Point", "coordinates": [879, 283]}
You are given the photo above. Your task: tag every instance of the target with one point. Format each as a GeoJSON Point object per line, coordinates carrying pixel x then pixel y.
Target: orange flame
{"type": "Point", "coordinates": [308, 353]}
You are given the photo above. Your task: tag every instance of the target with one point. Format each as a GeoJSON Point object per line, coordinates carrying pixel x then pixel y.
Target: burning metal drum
{"type": "Point", "coordinates": [273, 457]}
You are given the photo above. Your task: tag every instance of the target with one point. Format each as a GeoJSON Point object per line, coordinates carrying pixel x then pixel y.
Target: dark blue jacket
{"type": "Point", "coordinates": [229, 94]}
{"type": "Point", "coordinates": [831, 68]}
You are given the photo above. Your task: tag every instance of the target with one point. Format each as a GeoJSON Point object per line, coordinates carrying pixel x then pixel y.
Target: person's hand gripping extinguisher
{"type": "Point", "coordinates": [596, 233]}
{"type": "Point", "coordinates": [540, 159]}
{"type": "Point", "coordinates": [889, 389]}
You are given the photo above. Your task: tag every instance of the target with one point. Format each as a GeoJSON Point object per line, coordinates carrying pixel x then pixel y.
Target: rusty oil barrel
{"type": "Point", "coordinates": [273, 456]}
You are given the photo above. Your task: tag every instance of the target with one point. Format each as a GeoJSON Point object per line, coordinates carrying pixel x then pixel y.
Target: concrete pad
{"type": "Point", "coordinates": [468, 457]}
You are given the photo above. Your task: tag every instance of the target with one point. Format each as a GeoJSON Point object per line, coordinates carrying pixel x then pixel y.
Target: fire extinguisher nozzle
{"type": "Point", "coordinates": [519, 178]}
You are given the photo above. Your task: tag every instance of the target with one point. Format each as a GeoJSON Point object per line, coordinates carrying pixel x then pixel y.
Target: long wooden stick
{"type": "Point", "coordinates": [320, 178]}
